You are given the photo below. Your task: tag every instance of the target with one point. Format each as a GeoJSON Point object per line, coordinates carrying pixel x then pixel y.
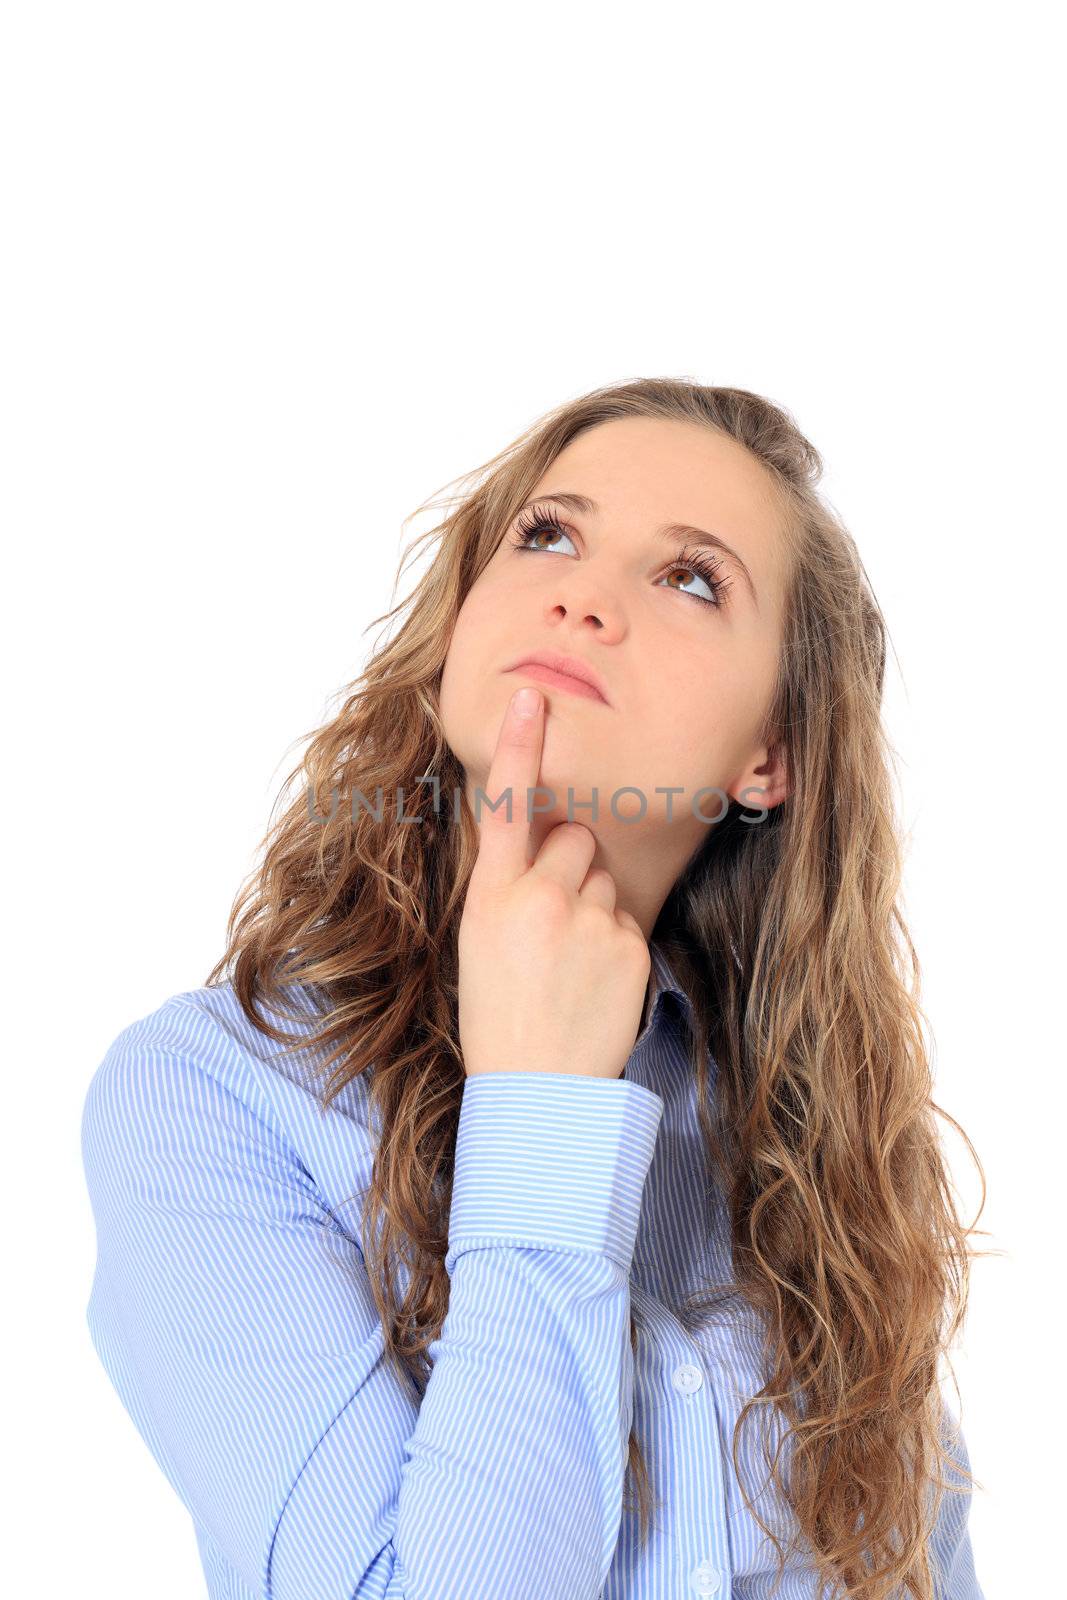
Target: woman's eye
{"type": "Point", "coordinates": [693, 574]}
{"type": "Point", "coordinates": [529, 537]}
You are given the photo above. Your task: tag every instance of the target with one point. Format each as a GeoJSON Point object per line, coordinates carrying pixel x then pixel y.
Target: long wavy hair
{"type": "Point", "coordinates": [790, 943]}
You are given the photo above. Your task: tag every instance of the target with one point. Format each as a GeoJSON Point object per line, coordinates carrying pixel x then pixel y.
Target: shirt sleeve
{"type": "Point", "coordinates": [951, 1556]}
{"type": "Point", "coordinates": [236, 1321]}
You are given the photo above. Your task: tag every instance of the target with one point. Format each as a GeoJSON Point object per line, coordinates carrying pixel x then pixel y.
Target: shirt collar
{"type": "Point", "coordinates": [664, 982]}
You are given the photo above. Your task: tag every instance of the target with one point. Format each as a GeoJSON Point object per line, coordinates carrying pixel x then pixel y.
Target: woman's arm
{"type": "Point", "coordinates": [236, 1321]}
{"type": "Point", "coordinates": [952, 1557]}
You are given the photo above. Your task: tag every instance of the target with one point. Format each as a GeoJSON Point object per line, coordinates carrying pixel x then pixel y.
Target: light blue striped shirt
{"type": "Point", "coordinates": [231, 1310]}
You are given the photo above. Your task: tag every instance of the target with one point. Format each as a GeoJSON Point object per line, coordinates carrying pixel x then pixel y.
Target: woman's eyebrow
{"type": "Point", "coordinates": [680, 531]}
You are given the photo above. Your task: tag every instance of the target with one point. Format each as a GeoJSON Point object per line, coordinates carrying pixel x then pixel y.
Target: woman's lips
{"type": "Point", "coordinates": [559, 680]}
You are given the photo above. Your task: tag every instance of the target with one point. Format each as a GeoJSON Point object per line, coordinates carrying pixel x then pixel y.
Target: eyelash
{"type": "Point", "coordinates": [537, 520]}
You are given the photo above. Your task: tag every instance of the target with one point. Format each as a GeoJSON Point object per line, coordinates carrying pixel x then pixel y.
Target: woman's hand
{"type": "Point", "coordinates": [551, 977]}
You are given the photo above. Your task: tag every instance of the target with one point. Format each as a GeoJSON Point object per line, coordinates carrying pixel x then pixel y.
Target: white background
{"type": "Point", "coordinates": [274, 276]}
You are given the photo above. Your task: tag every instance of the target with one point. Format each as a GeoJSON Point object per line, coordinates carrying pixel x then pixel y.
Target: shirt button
{"type": "Point", "coordinates": [705, 1579]}
{"type": "Point", "coordinates": [687, 1377]}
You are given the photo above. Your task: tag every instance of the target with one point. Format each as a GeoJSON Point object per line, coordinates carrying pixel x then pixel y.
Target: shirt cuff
{"type": "Point", "coordinates": [551, 1160]}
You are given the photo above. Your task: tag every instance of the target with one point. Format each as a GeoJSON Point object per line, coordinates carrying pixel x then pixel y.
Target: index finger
{"type": "Point", "coordinates": [516, 765]}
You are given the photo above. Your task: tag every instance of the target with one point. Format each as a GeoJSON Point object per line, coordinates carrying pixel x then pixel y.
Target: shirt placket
{"type": "Point", "coordinates": [686, 1403]}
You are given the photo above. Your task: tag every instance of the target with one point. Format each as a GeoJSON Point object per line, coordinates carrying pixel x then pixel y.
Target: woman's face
{"type": "Point", "coordinates": [687, 682]}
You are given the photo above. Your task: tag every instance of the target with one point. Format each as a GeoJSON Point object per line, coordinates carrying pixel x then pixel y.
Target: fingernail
{"type": "Point", "coordinates": [526, 702]}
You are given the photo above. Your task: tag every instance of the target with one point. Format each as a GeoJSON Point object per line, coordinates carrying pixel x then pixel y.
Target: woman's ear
{"type": "Point", "coordinates": [766, 784]}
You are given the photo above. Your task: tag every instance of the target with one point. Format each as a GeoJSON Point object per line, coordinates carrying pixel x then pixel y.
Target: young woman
{"type": "Point", "coordinates": [542, 1196]}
